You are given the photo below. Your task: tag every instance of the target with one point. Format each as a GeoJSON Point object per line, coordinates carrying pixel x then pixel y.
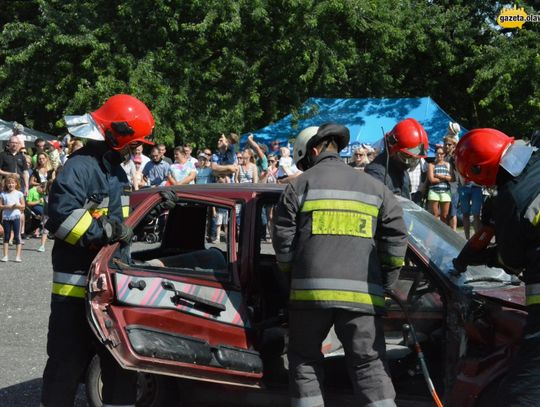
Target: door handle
{"type": "Point", "coordinates": [180, 295]}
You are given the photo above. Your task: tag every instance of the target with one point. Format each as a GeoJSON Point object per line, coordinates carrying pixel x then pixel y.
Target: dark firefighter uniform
{"type": "Point", "coordinates": [397, 179]}
{"type": "Point", "coordinates": [517, 230]}
{"type": "Point", "coordinates": [341, 234]}
{"type": "Point", "coordinates": [91, 184]}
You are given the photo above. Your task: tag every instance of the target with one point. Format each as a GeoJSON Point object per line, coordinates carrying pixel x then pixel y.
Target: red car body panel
{"type": "Point", "coordinates": [479, 345]}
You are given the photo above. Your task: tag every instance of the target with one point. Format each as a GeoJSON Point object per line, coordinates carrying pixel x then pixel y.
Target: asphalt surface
{"type": "Point", "coordinates": [24, 312]}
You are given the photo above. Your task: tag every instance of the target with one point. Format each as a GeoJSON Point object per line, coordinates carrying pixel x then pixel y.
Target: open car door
{"type": "Point", "coordinates": [177, 308]}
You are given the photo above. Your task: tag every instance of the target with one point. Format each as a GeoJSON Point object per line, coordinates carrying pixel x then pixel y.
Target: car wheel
{"type": "Point", "coordinates": [152, 390]}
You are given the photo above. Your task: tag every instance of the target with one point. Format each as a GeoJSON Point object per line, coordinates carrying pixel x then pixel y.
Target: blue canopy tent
{"type": "Point", "coordinates": [365, 118]}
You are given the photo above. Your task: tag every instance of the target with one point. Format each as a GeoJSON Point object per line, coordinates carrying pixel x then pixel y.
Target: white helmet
{"type": "Point", "coordinates": [301, 142]}
{"type": "Point", "coordinates": [311, 136]}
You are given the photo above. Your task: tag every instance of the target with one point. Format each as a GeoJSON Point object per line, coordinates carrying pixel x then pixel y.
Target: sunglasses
{"type": "Point", "coordinates": [360, 155]}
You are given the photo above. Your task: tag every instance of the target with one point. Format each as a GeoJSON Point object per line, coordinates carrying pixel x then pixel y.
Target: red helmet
{"type": "Point", "coordinates": [479, 153]}
{"type": "Point", "coordinates": [409, 137]}
{"type": "Point", "coordinates": [124, 119]}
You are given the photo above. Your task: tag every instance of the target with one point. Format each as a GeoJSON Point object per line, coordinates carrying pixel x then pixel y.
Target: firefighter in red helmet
{"type": "Point", "coordinates": [87, 205]}
{"type": "Point", "coordinates": [405, 145]}
{"type": "Point", "coordinates": [489, 157]}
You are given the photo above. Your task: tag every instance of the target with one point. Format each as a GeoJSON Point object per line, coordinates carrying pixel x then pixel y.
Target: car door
{"type": "Point", "coordinates": [186, 320]}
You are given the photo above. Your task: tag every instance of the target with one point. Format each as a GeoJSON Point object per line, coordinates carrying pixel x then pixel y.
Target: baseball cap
{"type": "Point", "coordinates": [55, 143]}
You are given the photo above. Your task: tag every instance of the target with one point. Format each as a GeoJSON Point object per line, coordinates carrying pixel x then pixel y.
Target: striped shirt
{"type": "Point", "coordinates": [444, 186]}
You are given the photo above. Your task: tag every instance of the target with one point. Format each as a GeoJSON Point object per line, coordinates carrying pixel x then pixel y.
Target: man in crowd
{"type": "Point", "coordinates": [340, 238]}
{"type": "Point", "coordinates": [405, 144]}
{"type": "Point", "coordinates": [137, 151]}
{"type": "Point", "coordinates": [156, 170]}
{"type": "Point", "coordinates": [490, 158]}
{"type": "Point", "coordinates": [39, 147]}
{"type": "Point", "coordinates": [12, 161]}
{"type": "Point", "coordinates": [91, 182]}
{"type": "Point", "coordinates": [163, 151]}
{"type": "Point", "coordinates": [224, 161]}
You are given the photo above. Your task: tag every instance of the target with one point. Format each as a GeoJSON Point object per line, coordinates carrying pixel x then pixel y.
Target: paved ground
{"type": "Point", "coordinates": [24, 310]}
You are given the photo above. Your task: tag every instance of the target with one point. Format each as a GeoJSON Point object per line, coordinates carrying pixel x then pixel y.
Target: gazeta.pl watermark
{"type": "Point", "coordinates": [516, 17]}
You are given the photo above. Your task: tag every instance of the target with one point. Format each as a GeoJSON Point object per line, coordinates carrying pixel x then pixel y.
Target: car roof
{"type": "Point", "coordinates": [243, 191]}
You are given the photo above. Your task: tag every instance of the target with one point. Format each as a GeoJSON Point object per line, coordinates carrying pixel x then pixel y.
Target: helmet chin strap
{"type": "Point", "coordinates": [309, 160]}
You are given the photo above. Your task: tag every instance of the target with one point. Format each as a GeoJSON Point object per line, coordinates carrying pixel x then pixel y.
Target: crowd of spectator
{"type": "Point", "coordinates": [435, 183]}
{"type": "Point", "coordinates": [27, 175]}
{"type": "Point", "coordinates": [437, 186]}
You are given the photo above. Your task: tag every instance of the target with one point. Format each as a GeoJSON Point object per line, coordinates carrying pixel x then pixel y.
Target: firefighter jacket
{"type": "Point", "coordinates": [397, 179]}
{"type": "Point", "coordinates": [516, 213]}
{"type": "Point", "coordinates": [343, 235]}
{"type": "Point", "coordinates": [91, 184]}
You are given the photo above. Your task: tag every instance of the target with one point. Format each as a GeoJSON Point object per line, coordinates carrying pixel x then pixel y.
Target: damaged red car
{"type": "Point", "coordinates": [203, 321]}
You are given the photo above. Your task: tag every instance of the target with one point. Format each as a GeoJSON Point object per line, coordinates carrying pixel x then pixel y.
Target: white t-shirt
{"type": "Point", "coordinates": [11, 198]}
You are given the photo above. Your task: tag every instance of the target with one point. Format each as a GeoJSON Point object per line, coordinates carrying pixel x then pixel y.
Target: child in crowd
{"type": "Point", "coordinates": [36, 202]}
{"type": "Point", "coordinates": [286, 168]}
{"type": "Point", "coordinates": [204, 172]}
{"type": "Point", "coordinates": [12, 206]}
{"type": "Point", "coordinates": [285, 163]}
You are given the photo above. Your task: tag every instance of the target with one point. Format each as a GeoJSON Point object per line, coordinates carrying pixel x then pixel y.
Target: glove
{"type": "Point", "coordinates": [488, 256]}
{"type": "Point", "coordinates": [169, 199]}
{"type": "Point", "coordinates": [169, 202]}
{"type": "Point", "coordinates": [487, 215]}
{"type": "Point", "coordinates": [116, 231]}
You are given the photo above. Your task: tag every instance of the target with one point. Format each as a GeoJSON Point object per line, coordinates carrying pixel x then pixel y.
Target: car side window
{"type": "Point", "coordinates": [192, 238]}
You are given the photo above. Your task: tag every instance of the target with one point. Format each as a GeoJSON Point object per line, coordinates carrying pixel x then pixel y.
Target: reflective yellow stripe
{"type": "Point", "coordinates": [337, 204]}
{"type": "Point", "coordinates": [125, 211]}
{"type": "Point", "coordinates": [68, 290]}
{"type": "Point", "coordinates": [341, 223]}
{"type": "Point", "coordinates": [334, 295]}
{"type": "Point", "coordinates": [392, 261]}
{"type": "Point", "coordinates": [79, 229]}
{"type": "Point", "coordinates": [536, 219]}
{"type": "Point", "coordinates": [533, 299]}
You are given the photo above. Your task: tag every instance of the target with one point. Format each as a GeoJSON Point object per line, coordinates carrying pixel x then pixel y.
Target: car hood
{"type": "Point", "coordinates": [511, 297]}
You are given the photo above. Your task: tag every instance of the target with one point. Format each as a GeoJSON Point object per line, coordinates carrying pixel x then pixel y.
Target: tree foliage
{"type": "Point", "coordinates": [207, 67]}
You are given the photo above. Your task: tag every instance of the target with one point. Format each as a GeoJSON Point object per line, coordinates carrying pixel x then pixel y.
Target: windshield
{"type": "Point", "coordinates": [441, 245]}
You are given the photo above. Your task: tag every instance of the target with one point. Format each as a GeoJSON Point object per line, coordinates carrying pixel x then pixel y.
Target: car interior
{"type": "Point", "coordinates": [180, 241]}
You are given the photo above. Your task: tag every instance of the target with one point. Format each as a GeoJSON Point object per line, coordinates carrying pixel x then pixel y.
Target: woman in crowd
{"type": "Point", "coordinates": [450, 142]}
{"type": "Point", "coordinates": [271, 173]}
{"type": "Point", "coordinates": [43, 171]}
{"type": "Point", "coordinates": [359, 159]}
{"type": "Point", "coordinates": [182, 171]}
{"type": "Point", "coordinates": [439, 178]}
{"type": "Point", "coordinates": [73, 145]}
{"type": "Point", "coordinates": [247, 169]}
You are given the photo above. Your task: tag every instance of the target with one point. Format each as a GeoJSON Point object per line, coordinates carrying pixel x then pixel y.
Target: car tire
{"type": "Point", "coordinates": [152, 390]}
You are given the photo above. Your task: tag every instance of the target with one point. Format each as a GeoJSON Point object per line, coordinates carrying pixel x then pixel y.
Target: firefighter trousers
{"type": "Point", "coordinates": [70, 346]}
{"type": "Point", "coordinates": [362, 337]}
